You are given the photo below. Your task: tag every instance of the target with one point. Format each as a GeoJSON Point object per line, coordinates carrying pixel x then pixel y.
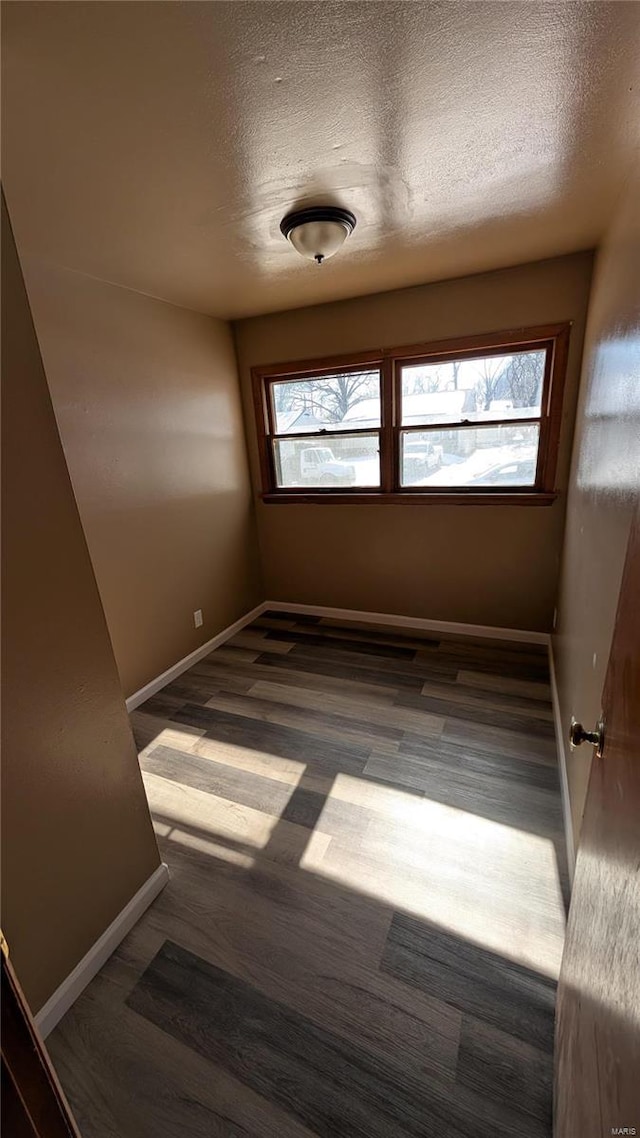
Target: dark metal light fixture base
{"type": "Point", "coordinates": [318, 213]}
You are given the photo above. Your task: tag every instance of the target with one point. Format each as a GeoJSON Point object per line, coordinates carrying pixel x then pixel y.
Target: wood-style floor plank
{"type": "Point", "coordinates": [500, 740]}
{"type": "Point", "coordinates": [321, 713]}
{"type": "Point", "coordinates": [364, 669]}
{"type": "Point", "coordinates": [281, 671]}
{"type": "Point", "coordinates": [471, 697]}
{"type": "Point", "coordinates": [511, 1069]}
{"type": "Point", "coordinates": [386, 721]}
{"type": "Point", "coordinates": [261, 640]}
{"type": "Point", "coordinates": [341, 644]}
{"type": "Point", "coordinates": [506, 683]}
{"type": "Point", "coordinates": [476, 713]}
{"type": "Point", "coordinates": [492, 988]}
{"type": "Point", "coordinates": [272, 738]}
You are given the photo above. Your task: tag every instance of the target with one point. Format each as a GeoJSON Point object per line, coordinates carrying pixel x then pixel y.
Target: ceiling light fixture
{"type": "Point", "coordinates": [318, 232]}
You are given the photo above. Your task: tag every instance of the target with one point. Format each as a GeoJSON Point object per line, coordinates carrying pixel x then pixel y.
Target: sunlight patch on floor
{"type": "Point", "coordinates": [492, 884]}
{"type": "Point", "coordinates": [179, 737]}
{"type": "Point", "coordinates": [250, 760]}
{"type": "Point", "coordinates": [191, 809]}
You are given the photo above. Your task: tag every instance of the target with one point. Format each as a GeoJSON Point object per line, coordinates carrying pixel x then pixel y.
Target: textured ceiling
{"type": "Point", "coordinates": [158, 145]}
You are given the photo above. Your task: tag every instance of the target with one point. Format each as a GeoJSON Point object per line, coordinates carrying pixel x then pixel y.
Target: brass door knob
{"type": "Point", "coordinates": [578, 735]}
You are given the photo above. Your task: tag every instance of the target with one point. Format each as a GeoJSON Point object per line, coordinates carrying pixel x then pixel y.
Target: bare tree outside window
{"type": "Point", "coordinates": [428, 380]}
{"type": "Point", "coordinates": [490, 382]}
{"type": "Point", "coordinates": [344, 392]}
{"type": "Point", "coordinates": [523, 378]}
{"type": "Point", "coordinates": [330, 398]}
{"type": "Point", "coordinates": [517, 379]}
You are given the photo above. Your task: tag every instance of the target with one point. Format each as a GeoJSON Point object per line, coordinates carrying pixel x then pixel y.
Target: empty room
{"type": "Point", "coordinates": [320, 569]}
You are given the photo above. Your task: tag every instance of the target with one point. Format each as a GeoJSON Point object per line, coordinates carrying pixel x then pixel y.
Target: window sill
{"type": "Point", "coordinates": [347, 498]}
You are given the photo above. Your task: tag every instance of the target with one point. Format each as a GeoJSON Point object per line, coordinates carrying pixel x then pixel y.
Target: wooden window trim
{"type": "Point", "coordinates": [553, 338]}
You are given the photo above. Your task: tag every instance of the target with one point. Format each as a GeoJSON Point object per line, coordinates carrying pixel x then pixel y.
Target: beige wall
{"type": "Point", "coordinates": [604, 486]}
{"type": "Point", "coordinates": [77, 840]}
{"type": "Point", "coordinates": [147, 402]}
{"type": "Point", "coordinates": [479, 564]}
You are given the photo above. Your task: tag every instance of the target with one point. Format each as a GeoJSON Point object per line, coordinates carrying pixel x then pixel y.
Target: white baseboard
{"type": "Point", "coordinates": [487, 631]}
{"type": "Point", "coordinates": [64, 996]}
{"type": "Point", "coordinates": [562, 764]}
{"type": "Point", "coordinates": [187, 662]}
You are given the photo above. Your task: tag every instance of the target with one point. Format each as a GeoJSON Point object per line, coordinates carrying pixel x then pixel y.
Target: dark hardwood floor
{"type": "Point", "coordinates": [364, 923]}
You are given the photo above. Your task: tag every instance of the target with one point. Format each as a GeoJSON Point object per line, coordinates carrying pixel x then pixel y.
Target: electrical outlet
{"type": "Point", "coordinates": [197, 618]}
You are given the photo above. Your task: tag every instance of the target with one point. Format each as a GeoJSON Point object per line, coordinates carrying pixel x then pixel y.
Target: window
{"type": "Point", "coordinates": [326, 430]}
{"type": "Point", "coordinates": [475, 420]}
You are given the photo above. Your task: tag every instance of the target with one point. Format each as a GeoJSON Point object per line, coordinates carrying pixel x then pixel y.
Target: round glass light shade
{"type": "Point", "coordinates": [318, 233]}
{"type": "Point", "coordinates": [318, 240]}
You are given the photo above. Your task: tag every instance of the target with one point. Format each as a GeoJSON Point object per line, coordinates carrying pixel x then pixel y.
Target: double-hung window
{"type": "Point", "coordinates": [474, 420]}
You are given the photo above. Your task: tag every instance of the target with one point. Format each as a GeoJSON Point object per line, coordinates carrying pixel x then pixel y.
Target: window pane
{"type": "Point", "coordinates": [507, 386]}
{"type": "Point", "coordinates": [338, 461]}
{"type": "Point", "coordinates": [470, 456]}
{"type": "Point", "coordinates": [340, 402]}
